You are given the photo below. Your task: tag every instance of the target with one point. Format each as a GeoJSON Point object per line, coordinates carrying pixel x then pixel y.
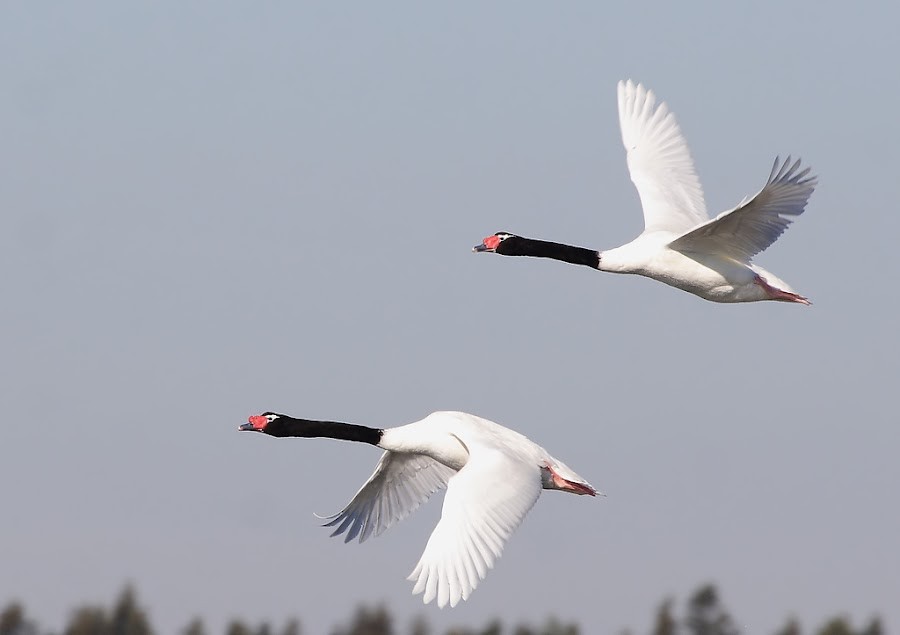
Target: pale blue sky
{"type": "Point", "coordinates": [223, 208]}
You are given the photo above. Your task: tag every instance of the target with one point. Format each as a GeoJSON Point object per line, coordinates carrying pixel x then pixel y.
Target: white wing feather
{"type": "Point", "coordinates": [749, 228]}
{"type": "Point", "coordinates": [659, 162]}
{"type": "Point", "coordinates": [485, 502]}
{"type": "Point", "coordinates": [400, 483]}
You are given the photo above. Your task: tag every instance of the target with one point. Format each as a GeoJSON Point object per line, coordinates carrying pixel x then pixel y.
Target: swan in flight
{"type": "Point", "coordinates": [680, 245]}
{"type": "Point", "coordinates": [493, 476]}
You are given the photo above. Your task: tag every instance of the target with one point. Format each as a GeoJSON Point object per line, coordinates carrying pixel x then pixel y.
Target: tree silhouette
{"type": "Point", "coordinates": [837, 626]}
{"type": "Point", "coordinates": [128, 618]}
{"type": "Point", "coordinates": [791, 628]}
{"type": "Point", "coordinates": [706, 616]}
{"type": "Point", "coordinates": [874, 628]}
{"type": "Point", "coordinates": [237, 627]}
{"type": "Point", "coordinates": [665, 623]}
{"type": "Point", "coordinates": [368, 621]}
{"type": "Point", "coordinates": [89, 620]}
{"type": "Point", "coordinates": [493, 628]}
{"type": "Point", "coordinates": [420, 627]}
{"type": "Point", "coordinates": [14, 622]}
{"type": "Point", "coordinates": [841, 626]}
{"type": "Point", "coordinates": [195, 627]}
{"type": "Point", "coordinates": [551, 627]}
{"type": "Point", "coordinates": [292, 627]}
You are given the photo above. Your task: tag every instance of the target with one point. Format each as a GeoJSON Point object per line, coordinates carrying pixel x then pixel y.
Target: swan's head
{"type": "Point", "coordinates": [260, 423]}
{"type": "Point", "coordinates": [496, 243]}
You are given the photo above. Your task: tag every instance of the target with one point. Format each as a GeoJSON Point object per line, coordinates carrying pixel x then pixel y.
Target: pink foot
{"type": "Point", "coordinates": [570, 486]}
{"type": "Point", "coordinates": [779, 294]}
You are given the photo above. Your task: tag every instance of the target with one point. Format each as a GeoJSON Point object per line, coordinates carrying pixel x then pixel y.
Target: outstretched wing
{"type": "Point", "coordinates": [400, 483]}
{"type": "Point", "coordinates": [659, 162]}
{"type": "Point", "coordinates": [749, 228]}
{"type": "Point", "coordinates": [485, 502]}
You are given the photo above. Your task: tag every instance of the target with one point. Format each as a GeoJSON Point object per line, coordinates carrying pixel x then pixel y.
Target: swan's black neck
{"type": "Point", "coordinates": [285, 426]}
{"type": "Point", "coordinates": [518, 246]}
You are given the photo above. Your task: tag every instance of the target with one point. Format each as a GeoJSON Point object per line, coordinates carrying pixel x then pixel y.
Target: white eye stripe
{"type": "Point", "coordinates": [271, 418]}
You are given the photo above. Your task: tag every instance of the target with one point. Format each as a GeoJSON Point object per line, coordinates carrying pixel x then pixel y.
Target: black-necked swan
{"type": "Point", "coordinates": [680, 245]}
{"type": "Point", "coordinates": [493, 476]}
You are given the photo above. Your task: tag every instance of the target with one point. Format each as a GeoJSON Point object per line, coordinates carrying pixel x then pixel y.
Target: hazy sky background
{"type": "Point", "coordinates": [213, 209]}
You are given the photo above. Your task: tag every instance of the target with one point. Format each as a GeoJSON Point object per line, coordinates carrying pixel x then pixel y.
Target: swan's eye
{"type": "Point", "coordinates": [271, 417]}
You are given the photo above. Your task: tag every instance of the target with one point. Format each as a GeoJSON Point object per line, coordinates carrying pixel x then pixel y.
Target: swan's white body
{"type": "Point", "coordinates": [493, 476]}
{"type": "Point", "coordinates": [680, 245]}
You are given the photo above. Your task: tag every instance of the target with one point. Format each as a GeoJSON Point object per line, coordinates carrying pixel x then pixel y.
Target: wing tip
{"type": "Point", "coordinates": [786, 171]}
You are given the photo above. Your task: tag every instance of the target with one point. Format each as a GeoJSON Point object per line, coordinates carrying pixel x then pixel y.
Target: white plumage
{"type": "Point", "coordinates": [659, 162]}
{"type": "Point", "coordinates": [493, 476]}
{"type": "Point", "coordinates": [680, 245]}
